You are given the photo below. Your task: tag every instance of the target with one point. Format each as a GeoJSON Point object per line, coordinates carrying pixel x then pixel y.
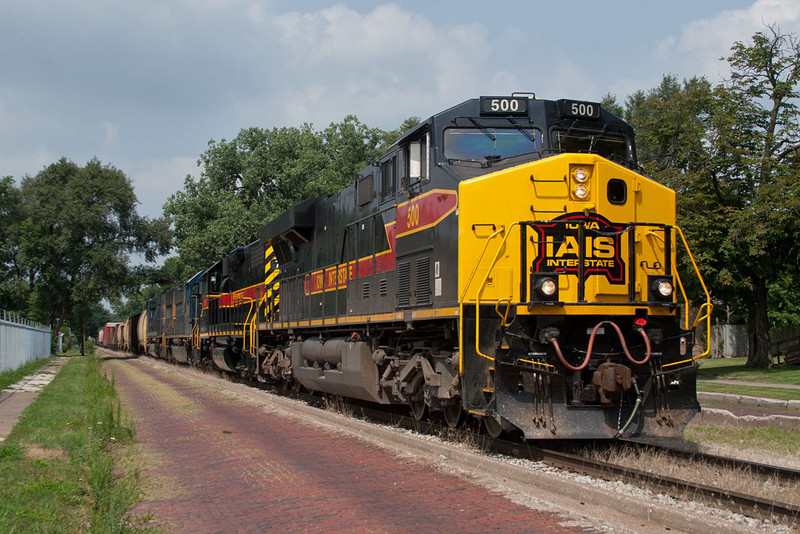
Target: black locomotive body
{"type": "Point", "coordinates": [505, 259]}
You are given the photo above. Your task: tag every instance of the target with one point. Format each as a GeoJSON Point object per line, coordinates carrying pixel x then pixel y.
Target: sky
{"type": "Point", "coordinates": [144, 85]}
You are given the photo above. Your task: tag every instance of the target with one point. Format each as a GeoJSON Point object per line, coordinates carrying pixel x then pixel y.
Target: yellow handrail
{"type": "Point", "coordinates": [703, 313]}
{"type": "Point", "coordinates": [464, 293]}
{"type": "Point", "coordinates": [248, 336]}
{"type": "Point", "coordinates": [483, 286]}
{"type": "Point", "coordinates": [477, 263]}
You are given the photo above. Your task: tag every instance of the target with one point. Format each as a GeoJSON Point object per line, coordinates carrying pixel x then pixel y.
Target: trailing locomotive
{"type": "Point", "coordinates": [505, 259]}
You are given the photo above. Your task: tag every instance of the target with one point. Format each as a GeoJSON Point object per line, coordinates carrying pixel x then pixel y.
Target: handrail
{"type": "Point", "coordinates": [703, 313]}
{"type": "Point", "coordinates": [483, 286]}
{"type": "Point", "coordinates": [503, 316]}
{"type": "Point", "coordinates": [245, 334]}
{"type": "Point", "coordinates": [254, 321]}
{"type": "Point", "coordinates": [478, 262]}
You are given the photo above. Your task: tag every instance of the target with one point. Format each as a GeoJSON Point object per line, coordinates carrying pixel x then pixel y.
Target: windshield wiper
{"type": "Point", "coordinates": [596, 137]}
{"type": "Point", "coordinates": [482, 164]}
{"type": "Point", "coordinates": [523, 131]}
{"type": "Point", "coordinates": [483, 129]}
{"type": "Point", "coordinates": [492, 158]}
{"type": "Point", "coordinates": [563, 136]}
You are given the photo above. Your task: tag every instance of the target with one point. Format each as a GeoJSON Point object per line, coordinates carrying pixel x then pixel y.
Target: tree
{"type": "Point", "coordinates": [253, 178]}
{"type": "Point", "coordinates": [14, 286]}
{"type": "Point", "coordinates": [731, 153]}
{"type": "Point", "coordinates": [80, 226]}
{"type": "Point", "coordinates": [675, 146]}
{"type": "Point", "coordinates": [758, 125]}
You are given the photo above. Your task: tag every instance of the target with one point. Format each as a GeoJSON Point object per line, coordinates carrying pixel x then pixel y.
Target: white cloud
{"type": "Point", "coordinates": [701, 43]}
{"type": "Point", "coordinates": [256, 14]}
{"type": "Point", "coordinates": [344, 35]}
{"type": "Point", "coordinates": [568, 80]}
{"type": "Point", "coordinates": [337, 61]}
{"type": "Point", "coordinates": [210, 5]}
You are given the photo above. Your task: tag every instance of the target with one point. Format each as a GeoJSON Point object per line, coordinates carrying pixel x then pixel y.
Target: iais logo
{"type": "Point", "coordinates": [559, 247]}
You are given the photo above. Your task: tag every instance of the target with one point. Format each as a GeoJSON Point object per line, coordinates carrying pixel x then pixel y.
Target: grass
{"type": "Point", "coordinates": [663, 463]}
{"type": "Point", "coordinates": [752, 391]}
{"type": "Point", "coordinates": [58, 464]}
{"type": "Point", "coordinates": [735, 368]}
{"type": "Point", "coordinates": [8, 378]}
{"type": "Point", "coordinates": [780, 441]}
{"type": "Point", "coordinates": [718, 370]}
{"type": "Point", "coordinates": [775, 440]}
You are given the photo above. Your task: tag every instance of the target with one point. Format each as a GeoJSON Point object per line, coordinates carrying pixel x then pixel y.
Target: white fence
{"type": "Point", "coordinates": [729, 341]}
{"type": "Point", "coordinates": [21, 340]}
{"type": "Point", "coordinates": [732, 340]}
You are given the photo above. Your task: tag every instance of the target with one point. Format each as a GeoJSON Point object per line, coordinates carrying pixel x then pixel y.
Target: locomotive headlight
{"type": "Point", "coordinates": [664, 288]}
{"type": "Point", "coordinates": [580, 174]}
{"type": "Point", "coordinates": [546, 288]}
{"type": "Point", "coordinates": [661, 288]}
{"type": "Point", "coordinates": [581, 191]}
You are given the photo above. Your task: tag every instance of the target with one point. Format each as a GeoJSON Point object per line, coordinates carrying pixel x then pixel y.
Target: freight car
{"type": "Point", "coordinates": [504, 259]}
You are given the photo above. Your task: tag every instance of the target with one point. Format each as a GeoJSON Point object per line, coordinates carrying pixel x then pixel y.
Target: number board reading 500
{"type": "Point", "coordinates": [579, 110]}
{"type": "Point", "coordinates": [503, 105]}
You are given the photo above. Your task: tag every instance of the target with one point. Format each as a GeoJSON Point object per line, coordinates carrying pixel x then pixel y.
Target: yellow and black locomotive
{"type": "Point", "coordinates": [505, 259]}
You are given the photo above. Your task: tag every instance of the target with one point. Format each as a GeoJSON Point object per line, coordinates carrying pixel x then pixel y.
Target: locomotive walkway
{"type": "Point", "coordinates": [217, 463]}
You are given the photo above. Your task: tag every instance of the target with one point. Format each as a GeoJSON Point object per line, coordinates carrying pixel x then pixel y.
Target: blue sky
{"type": "Point", "coordinates": [144, 85]}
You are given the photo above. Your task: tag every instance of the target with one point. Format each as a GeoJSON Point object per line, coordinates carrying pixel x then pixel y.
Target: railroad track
{"type": "Point", "coordinates": [748, 505]}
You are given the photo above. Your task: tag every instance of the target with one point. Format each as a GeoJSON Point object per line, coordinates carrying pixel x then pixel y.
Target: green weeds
{"type": "Point", "coordinates": [735, 368]}
{"type": "Point", "coordinates": [58, 465]}
{"type": "Point", "coordinates": [752, 391]}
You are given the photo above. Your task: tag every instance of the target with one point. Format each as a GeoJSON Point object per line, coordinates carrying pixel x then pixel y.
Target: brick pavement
{"type": "Point", "coordinates": [214, 463]}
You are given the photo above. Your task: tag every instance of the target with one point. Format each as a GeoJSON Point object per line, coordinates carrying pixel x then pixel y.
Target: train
{"type": "Point", "coordinates": [505, 260]}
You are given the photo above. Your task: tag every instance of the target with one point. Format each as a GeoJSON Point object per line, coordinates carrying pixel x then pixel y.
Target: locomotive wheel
{"type": "Point", "coordinates": [493, 426]}
{"type": "Point", "coordinates": [417, 407]}
{"type": "Point", "coordinates": [452, 414]}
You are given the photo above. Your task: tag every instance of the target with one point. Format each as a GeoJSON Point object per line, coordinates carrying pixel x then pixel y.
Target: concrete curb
{"type": "Point", "coordinates": [745, 400]}
{"type": "Point", "coordinates": [717, 417]}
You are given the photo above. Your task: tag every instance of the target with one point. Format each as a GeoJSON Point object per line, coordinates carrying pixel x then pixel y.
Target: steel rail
{"type": "Point", "coordinates": [749, 505]}
{"type": "Point", "coordinates": [764, 470]}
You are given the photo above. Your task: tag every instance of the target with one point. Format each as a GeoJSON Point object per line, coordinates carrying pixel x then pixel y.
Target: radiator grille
{"type": "Point", "coordinates": [404, 284]}
{"type": "Point", "coordinates": [383, 287]}
{"type": "Point", "coordinates": [423, 281]}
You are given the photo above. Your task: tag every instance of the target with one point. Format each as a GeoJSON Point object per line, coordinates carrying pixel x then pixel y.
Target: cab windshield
{"type": "Point", "coordinates": [610, 146]}
{"type": "Point", "coordinates": [487, 144]}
